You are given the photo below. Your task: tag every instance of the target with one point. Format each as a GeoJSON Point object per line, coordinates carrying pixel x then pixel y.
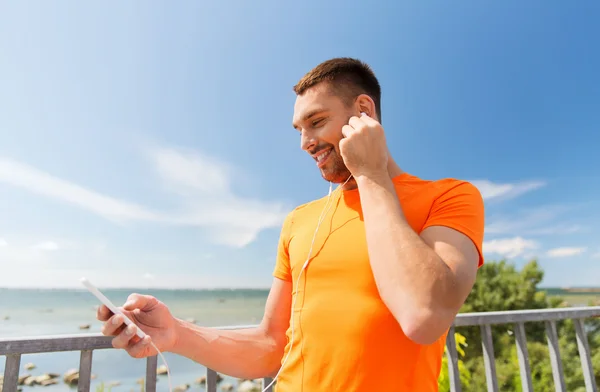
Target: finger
{"type": "Point", "coordinates": [356, 123]}
{"type": "Point", "coordinates": [348, 130]}
{"type": "Point", "coordinates": [113, 325]}
{"type": "Point", "coordinates": [140, 348]}
{"type": "Point", "coordinates": [103, 313]}
{"type": "Point", "coordinates": [138, 301]}
{"type": "Point", "coordinates": [370, 121]}
{"type": "Point", "coordinates": [123, 339]}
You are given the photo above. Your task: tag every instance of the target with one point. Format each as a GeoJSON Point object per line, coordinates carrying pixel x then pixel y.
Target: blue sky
{"type": "Point", "coordinates": [150, 144]}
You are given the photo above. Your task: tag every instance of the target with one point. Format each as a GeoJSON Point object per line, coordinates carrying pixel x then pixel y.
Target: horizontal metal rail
{"type": "Point", "coordinates": [525, 316]}
{"type": "Point", "coordinates": [13, 349]}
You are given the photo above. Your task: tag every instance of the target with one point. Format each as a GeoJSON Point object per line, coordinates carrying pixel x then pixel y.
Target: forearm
{"type": "Point", "coordinates": [247, 353]}
{"type": "Point", "coordinates": [413, 281]}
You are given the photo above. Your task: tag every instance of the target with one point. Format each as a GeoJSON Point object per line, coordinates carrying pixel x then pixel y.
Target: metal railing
{"type": "Point", "coordinates": [87, 343]}
{"type": "Point", "coordinates": [13, 349]}
{"type": "Point", "coordinates": [518, 318]}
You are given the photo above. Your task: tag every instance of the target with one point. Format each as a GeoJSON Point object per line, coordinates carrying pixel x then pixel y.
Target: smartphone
{"type": "Point", "coordinates": [92, 289]}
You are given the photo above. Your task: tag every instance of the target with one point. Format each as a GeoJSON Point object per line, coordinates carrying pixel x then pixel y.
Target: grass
{"type": "Point", "coordinates": [102, 388]}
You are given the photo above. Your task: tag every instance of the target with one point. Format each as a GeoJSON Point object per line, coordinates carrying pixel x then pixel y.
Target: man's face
{"type": "Point", "coordinates": [319, 117]}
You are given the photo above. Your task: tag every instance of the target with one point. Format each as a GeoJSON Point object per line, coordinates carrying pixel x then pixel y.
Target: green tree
{"type": "Point", "coordinates": [500, 286]}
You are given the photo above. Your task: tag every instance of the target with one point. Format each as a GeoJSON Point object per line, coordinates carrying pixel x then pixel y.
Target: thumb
{"type": "Point", "coordinates": [138, 301]}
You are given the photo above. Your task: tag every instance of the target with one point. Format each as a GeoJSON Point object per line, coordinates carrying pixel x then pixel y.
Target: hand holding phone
{"type": "Point", "coordinates": [148, 311]}
{"type": "Point", "coordinates": [92, 289]}
{"type": "Point", "coordinates": [139, 312]}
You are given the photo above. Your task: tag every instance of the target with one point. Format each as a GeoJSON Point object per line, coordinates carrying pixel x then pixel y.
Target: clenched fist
{"type": "Point", "coordinates": [363, 148]}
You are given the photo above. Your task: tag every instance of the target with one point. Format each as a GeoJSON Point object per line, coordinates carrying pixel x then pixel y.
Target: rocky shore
{"type": "Point", "coordinates": [71, 379]}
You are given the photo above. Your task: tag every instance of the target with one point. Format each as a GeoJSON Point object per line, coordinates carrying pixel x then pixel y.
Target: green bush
{"type": "Point", "coordinates": [464, 373]}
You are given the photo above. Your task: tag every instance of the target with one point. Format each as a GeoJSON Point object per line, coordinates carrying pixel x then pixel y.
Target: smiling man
{"type": "Point", "coordinates": [367, 280]}
{"type": "Point", "coordinates": [394, 259]}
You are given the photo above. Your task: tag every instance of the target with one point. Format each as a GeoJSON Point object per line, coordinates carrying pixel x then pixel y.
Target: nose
{"type": "Point", "coordinates": [307, 141]}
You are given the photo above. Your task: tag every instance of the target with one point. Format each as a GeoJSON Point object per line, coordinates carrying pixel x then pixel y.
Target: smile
{"type": "Point", "coordinates": [321, 157]}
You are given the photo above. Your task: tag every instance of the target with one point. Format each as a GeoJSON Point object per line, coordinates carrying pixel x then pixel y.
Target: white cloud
{"type": "Point", "coordinates": [191, 173]}
{"type": "Point", "coordinates": [509, 247]}
{"type": "Point", "coordinates": [46, 246]}
{"type": "Point", "coordinates": [205, 184]}
{"type": "Point", "coordinates": [36, 181]}
{"type": "Point", "coordinates": [13, 256]}
{"type": "Point", "coordinates": [3, 243]}
{"type": "Point", "coordinates": [596, 255]}
{"type": "Point", "coordinates": [565, 252]}
{"type": "Point", "coordinates": [202, 185]}
{"type": "Point", "coordinates": [22, 266]}
{"type": "Point", "coordinates": [490, 190]}
{"type": "Point", "coordinates": [558, 229]}
{"type": "Point", "coordinates": [531, 221]}
{"type": "Point", "coordinates": [123, 278]}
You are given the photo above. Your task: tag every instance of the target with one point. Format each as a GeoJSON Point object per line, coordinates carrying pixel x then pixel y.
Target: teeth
{"type": "Point", "coordinates": [320, 157]}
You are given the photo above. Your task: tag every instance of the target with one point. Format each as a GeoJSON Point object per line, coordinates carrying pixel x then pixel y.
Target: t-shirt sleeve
{"type": "Point", "coordinates": [461, 208]}
{"type": "Point", "coordinates": [282, 262]}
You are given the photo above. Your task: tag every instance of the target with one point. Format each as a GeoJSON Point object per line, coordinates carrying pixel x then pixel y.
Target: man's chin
{"type": "Point", "coordinates": [335, 177]}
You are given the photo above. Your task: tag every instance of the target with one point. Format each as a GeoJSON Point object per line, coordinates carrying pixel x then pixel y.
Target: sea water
{"type": "Point", "coordinates": [45, 312]}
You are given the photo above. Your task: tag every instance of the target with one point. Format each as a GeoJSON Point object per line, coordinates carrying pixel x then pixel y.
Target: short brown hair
{"type": "Point", "coordinates": [348, 79]}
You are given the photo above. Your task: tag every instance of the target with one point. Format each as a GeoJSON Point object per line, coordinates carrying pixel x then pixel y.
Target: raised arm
{"type": "Point", "coordinates": [423, 278]}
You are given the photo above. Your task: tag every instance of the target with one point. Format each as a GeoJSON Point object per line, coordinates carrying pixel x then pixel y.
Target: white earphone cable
{"type": "Point", "coordinates": [166, 365]}
{"type": "Point", "coordinates": [324, 213]}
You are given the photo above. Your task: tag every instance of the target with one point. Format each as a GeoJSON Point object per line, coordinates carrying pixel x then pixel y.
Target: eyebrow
{"type": "Point", "coordinates": [310, 114]}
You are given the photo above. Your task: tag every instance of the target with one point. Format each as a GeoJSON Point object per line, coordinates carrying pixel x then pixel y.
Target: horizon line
{"type": "Point", "coordinates": [190, 288]}
{"type": "Point", "coordinates": [74, 288]}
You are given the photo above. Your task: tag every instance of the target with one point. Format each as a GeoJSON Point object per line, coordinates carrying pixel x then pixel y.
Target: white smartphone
{"type": "Point", "coordinates": [92, 289]}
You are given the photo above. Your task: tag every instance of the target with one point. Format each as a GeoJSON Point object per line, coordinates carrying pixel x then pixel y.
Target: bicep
{"type": "Point", "coordinates": [277, 313]}
{"type": "Point", "coordinates": [459, 253]}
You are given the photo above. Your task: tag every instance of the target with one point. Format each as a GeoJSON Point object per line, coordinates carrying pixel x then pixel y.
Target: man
{"type": "Point", "coordinates": [376, 271]}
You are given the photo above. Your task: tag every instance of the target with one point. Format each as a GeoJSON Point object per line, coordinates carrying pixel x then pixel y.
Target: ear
{"type": "Point", "coordinates": [365, 104]}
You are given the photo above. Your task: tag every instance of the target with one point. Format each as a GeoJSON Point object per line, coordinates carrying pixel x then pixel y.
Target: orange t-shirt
{"type": "Point", "coordinates": [345, 338]}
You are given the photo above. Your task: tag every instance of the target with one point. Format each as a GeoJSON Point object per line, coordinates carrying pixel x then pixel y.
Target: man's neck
{"type": "Point", "coordinates": [393, 170]}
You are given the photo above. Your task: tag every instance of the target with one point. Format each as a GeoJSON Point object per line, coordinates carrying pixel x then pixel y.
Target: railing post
{"type": "Point", "coordinates": [523, 355]}
{"type": "Point", "coordinates": [584, 356]}
{"type": "Point", "coordinates": [489, 359]}
{"type": "Point", "coordinates": [151, 367]}
{"type": "Point", "coordinates": [453, 374]}
{"type": "Point", "coordinates": [211, 380]}
{"type": "Point", "coordinates": [11, 372]}
{"type": "Point", "coordinates": [555, 360]}
{"type": "Point", "coordinates": [267, 381]}
{"type": "Point", "coordinates": [85, 371]}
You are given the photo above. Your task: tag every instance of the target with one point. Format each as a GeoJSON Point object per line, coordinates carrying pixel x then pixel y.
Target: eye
{"type": "Point", "coordinates": [318, 122]}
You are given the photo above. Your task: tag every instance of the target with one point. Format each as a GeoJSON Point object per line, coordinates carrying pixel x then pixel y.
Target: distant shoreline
{"type": "Point", "coordinates": [570, 290]}
{"type": "Point", "coordinates": [573, 295]}
{"type": "Point", "coordinates": [586, 290]}
{"type": "Point", "coordinates": [139, 289]}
